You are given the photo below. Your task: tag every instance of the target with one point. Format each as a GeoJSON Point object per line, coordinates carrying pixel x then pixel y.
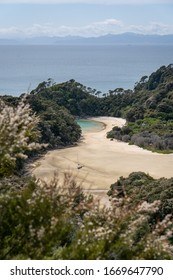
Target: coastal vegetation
{"type": "Point", "coordinates": [148, 110]}
{"type": "Point", "coordinates": [58, 220]}
{"type": "Point", "coordinates": [61, 222]}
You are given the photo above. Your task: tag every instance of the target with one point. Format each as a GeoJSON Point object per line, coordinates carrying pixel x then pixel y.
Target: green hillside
{"type": "Point", "coordinates": [148, 111]}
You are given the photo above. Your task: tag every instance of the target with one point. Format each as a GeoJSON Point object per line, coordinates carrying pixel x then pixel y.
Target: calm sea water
{"type": "Point", "coordinates": [100, 67]}
{"type": "Point", "coordinates": [89, 126]}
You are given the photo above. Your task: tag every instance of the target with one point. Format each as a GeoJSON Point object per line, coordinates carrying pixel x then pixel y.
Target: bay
{"type": "Point", "coordinates": [104, 68]}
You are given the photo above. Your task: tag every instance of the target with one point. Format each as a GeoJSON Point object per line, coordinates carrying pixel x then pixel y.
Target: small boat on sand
{"type": "Point", "coordinates": [79, 166]}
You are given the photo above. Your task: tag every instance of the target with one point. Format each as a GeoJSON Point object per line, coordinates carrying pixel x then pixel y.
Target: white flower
{"type": "Point", "coordinates": [17, 127]}
{"type": "Point", "coordinates": [149, 207]}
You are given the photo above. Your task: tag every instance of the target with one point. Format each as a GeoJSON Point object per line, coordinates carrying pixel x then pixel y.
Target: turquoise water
{"type": "Point", "coordinates": [90, 126]}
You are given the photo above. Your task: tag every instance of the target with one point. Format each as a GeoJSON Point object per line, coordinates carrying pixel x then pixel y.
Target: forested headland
{"type": "Point", "coordinates": [148, 110]}
{"type": "Point", "coordinates": [59, 221]}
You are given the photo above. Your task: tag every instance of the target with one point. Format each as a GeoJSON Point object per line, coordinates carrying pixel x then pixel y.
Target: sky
{"type": "Point", "coordinates": [32, 18]}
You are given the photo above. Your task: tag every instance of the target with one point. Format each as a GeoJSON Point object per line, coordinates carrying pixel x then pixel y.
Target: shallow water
{"type": "Point", "coordinates": [90, 125]}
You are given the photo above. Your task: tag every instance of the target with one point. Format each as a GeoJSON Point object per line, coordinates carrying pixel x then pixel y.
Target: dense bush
{"type": "Point", "coordinates": [57, 126]}
{"type": "Point", "coordinates": [76, 98]}
{"type": "Point", "coordinates": [50, 221]}
{"type": "Point", "coordinates": [149, 112]}
{"type": "Point", "coordinates": [39, 219]}
{"type": "Point", "coordinates": [149, 133]}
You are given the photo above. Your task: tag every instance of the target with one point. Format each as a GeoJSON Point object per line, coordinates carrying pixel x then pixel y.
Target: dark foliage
{"type": "Point", "coordinates": [149, 112]}
{"type": "Point", "coordinates": [142, 187]}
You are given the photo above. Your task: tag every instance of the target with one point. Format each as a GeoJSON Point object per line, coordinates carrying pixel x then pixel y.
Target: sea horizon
{"type": "Point", "coordinates": [101, 67]}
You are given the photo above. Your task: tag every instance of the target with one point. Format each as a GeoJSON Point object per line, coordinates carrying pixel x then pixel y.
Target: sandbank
{"type": "Point", "coordinates": [103, 161]}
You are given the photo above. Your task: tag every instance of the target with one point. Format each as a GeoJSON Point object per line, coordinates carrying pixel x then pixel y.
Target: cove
{"type": "Point", "coordinates": [90, 125]}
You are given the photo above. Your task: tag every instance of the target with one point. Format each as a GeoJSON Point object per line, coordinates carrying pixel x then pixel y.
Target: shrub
{"type": "Point", "coordinates": [39, 219]}
{"type": "Point", "coordinates": [54, 221]}
{"type": "Point", "coordinates": [18, 134]}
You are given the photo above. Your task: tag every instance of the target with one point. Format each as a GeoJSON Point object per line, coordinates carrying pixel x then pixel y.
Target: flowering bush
{"type": "Point", "coordinates": [40, 218]}
{"type": "Point", "coordinates": [50, 221]}
{"type": "Point", "coordinates": [18, 134]}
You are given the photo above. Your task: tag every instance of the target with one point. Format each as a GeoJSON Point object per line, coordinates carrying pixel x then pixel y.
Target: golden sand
{"type": "Point", "coordinates": [103, 161]}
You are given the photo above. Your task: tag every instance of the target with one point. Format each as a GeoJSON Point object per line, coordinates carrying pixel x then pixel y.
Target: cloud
{"type": "Point", "coordinates": [49, 29]}
{"type": "Point", "coordinates": [106, 2]}
{"type": "Point", "coordinates": [108, 26]}
{"type": "Point", "coordinates": [152, 28]}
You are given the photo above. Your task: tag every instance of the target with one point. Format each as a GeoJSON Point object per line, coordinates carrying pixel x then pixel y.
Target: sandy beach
{"type": "Point", "coordinates": [103, 161]}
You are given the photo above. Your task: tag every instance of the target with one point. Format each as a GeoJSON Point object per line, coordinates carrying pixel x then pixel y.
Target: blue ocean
{"type": "Point", "coordinates": [104, 68]}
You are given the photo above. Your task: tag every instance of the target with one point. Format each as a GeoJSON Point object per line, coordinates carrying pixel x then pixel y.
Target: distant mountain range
{"type": "Point", "coordinates": [119, 39]}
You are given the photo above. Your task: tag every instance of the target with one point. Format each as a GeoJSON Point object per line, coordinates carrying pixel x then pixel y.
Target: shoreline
{"type": "Point", "coordinates": [93, 129]}
{"type": "Point", "coordinates": [103, 161]}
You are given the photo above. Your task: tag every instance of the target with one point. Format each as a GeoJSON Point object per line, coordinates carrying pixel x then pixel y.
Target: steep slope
{"type": "Point", "coordinates": [149, 112]}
